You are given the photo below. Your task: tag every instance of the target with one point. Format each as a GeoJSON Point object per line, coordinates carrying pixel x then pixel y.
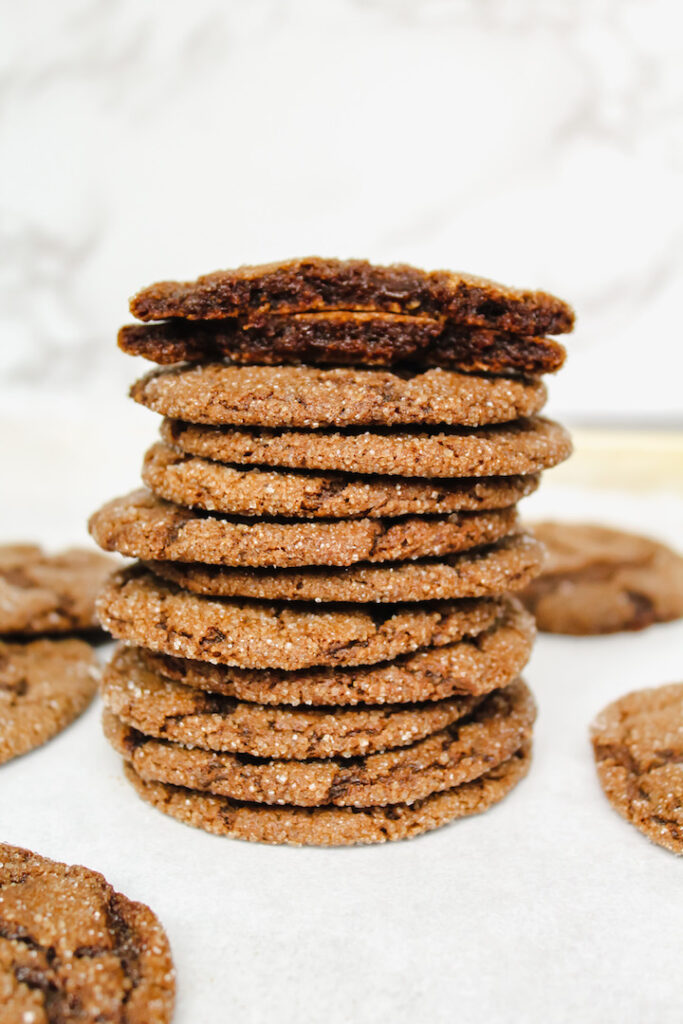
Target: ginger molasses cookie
{"type": "Point", "coordinates": [144, 526]}
{"type": "Point", "coordinates": [527, 446]}
{"type": "Point", "coordinates": [305, 396]}
{"type": "Point", "coordinates": [329, 825]}
{"type": "Point", "coordinates": [342, 337]}
{"type": "Point", "coordinates": [463, 751]}
{"type": "Point", "coordinates": [158, 707]}
{"type": "Point", "coordinates": [44, 686]}
{"type": "Point", "coordinates": [313, 283]}
{"type": "Point", "coordinates": [476, 665]}
{"type": "Point", "coordinates": [73, 949]}
{"type": "Point", "coordinates": [239, 490]}
{"type": "Point", "coordinates": [638, 745]}
{"type": "Point", "coordinates": [480, 572]}
{"type": "Point", "coordinates": [601, 580]}
{"type": "Point", "coordinates": [41, 593]}
{"type": "Point", "coordinates": [139, 608]}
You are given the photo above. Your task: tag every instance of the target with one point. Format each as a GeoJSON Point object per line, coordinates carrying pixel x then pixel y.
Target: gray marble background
{"type": "Point", "coordinates": [540, 143]}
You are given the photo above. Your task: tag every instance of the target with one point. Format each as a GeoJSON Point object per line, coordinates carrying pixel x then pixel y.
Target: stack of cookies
{"type": "Point", "coordinates": [321, 642]}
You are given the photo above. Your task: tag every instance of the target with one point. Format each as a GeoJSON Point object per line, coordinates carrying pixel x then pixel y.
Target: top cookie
{"type": "Point", "coordinates": [304, 396]}
{"type": "Point", "coordinates": [341, 337]}
{"type": "Point", "coordinates": [304, 285]}
{"type": "Point", "coordinates": [41, 593]}
{"type": "Point", "coordinates": [601, 580]}
{"type": "Point", "coordinates": [71, 948]}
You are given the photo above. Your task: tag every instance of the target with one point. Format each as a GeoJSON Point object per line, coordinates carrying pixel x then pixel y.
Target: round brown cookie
{"type": "Point", "coordinates": [364, 339]}
{"type": "Point", "coordinates": [601, 580]}
{"type": "Point", "coordinates": [44, 686]}
{"type": "Point", "coordinates": [304, 396]}
{"type": "Point", "coordinates": [313, 283]}
{"type": "Point", "coordinates": [476, 665]}
{"type": "Point", "coordinates": [216, 487]}
{"type": "Point", "coordinates": [638, 745]}
{"type": "Point", "coordinates": [508, 565]}
{"type": "Point", "coordinates": [140, 608]}
{"type": "Point", "coordinates": [73, 949]}
{"type": "Point", "coordinates": [332, 826]}
{"type": "Point", "coordinates": [158, 707]}
{"type": "Point", "coordinates": [519, 448]}
{"type": "Point", "coordinates": [144, 526]}
{"type": "Point", "coordinates": [41, 593]}
{"type": "Point", "coordinates": [454, 755]}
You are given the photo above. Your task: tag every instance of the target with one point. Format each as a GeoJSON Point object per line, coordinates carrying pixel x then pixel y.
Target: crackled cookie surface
{"type": "Point", "coordinates": [44, 686]}
{"type": "Point", "coordinates": [305, 396]}
{"type": "Point", "coordinates": [527, 446]}
{"type": "Point", "coordinates": [472, 746]}
{"type": "Point", "coordinates": [43, 593]}
{"type": "Point", "coordinates": [73, 949]}
{"type": "Point", "coordinates": [601, 580]}
{"type": "Point", "coordinates": [142, 525]}
{"type": "Point", "coordinates": [139, 608]}
{"type": "Point", "coordinates": [638, 746]}
{"type": "Point", "coordinates": [249, 490]}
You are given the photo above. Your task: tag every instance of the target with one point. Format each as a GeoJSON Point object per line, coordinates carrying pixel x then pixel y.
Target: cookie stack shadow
{"type": "Point", "coordinates": [321, 642]}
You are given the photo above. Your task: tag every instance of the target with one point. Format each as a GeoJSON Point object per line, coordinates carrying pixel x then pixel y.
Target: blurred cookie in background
{"type": "Point", "coordinates": [602, 580]}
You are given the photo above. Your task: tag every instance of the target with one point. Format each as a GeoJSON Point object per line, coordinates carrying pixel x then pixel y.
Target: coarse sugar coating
{"type": "Point", "coordinates": [602, 580]}
{"type": "Point", "coordinates": [526, 446]}
{"type": "Point", "coordinates": [313, 283]}
{"type": "Point", "coordinates": [484, 571]}
{"type": "Point", "coordinates": [156, 706]}
{"type": "Point", "coordinates": [251, 491]}
{"type": "Point", "coordinates": [475, 664]}
{"type": "Point", "coordinates": [329, 825]}
{"type": "Point", "coordinates": [489, 735]}
{"type": "Point", "coordinates": [142, 525]}
{"type": "Point", "coordinates": [43, 593]}
{"type": "Point", "coordinates": [638, 746]}
{"type": "Point", "coordinates": [44, 686]}
{"type": "Point", "coordinates": [343, 337]}
{"type": "Point", "coordinates": [73, 949]}
{"type": "Point", "coordinates": [306, 396]}
{"type": "Point", "coordinates": [141, 609]}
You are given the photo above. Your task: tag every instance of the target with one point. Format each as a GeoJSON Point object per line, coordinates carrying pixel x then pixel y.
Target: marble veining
{"type": "Point", "coordinates": [540, 143]}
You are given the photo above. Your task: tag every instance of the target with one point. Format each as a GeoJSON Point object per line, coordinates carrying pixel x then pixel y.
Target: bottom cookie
{"type": "Point", "coordinates": [332, 826]}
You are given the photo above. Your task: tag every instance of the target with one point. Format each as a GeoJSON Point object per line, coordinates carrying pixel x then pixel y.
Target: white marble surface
{"type": "Point", "coordinates": [537, 142]}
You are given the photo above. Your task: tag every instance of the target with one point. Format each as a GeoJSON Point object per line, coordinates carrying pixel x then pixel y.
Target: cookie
{"type": "Point", "coordinates": [601, 580]}
{"type": "Point", "coordinates": [139, 608]}
{"type": "Point", "coordinates": [144, 526]}
{"type": "Point", "coordinates": [474, 665]}
{"type": "Point", "coordinates": [638, 745]}
{"type": "Point", "coordinates": [41, 593]}
{"type": "Point", "coordinates": [332, 826]}
{"type": "Point", "coordinates": [527, 446]}
{"type": "Point", "coordinates": [44, 686]}
{"type": "Point", "coordinates": [459, 753]}
{"type": "Point", "coordinates": [73, 949]}
{"type": "Point", "coordinates": [363, 339]}
{"type": "Point", "coordinates": [312, 283]}
{"type": "Point", "coordinates": [305, 396]}
{"type": "Point", "coordinates": [482, 572]}
{"type": "Point", "coordinates": [158, 707]}
{"type": "Point", "coordinates": [235, 490]}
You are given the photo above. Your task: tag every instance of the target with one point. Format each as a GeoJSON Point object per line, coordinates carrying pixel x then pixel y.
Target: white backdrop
{"type": "Point", "coordinates": [537, 141]}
